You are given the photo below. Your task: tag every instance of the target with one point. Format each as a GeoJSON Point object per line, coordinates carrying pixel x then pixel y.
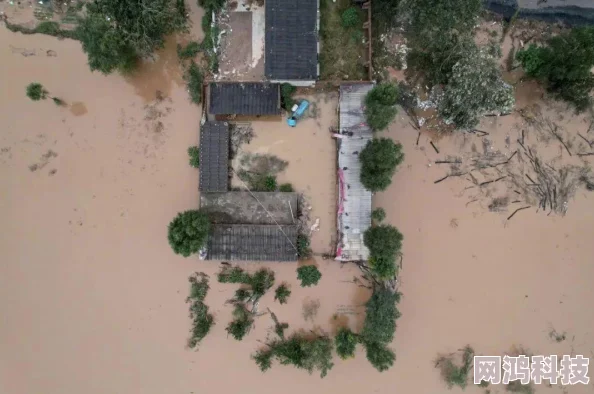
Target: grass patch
{"type": "Point", "coordinates": [456, 373]}
{"type": "Point", "coordinates": [342, 54]}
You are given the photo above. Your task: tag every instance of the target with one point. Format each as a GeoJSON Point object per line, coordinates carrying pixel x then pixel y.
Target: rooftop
{"type": "Point", "coordinates": [248, 242]}
{"type": "Point", "coordinates": [244, 98]}
{"type": "Point", "coordinates": [252, 208]}
{"type": "Point", "coordinates": [214, 157]}
{"type": "Point", "coordinates": [291, 43]}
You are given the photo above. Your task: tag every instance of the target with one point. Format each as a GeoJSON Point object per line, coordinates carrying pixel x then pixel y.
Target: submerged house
{"type": "Point", "coordinates": [354, 204]}
{"type": "Point", "coordinates": [259, 226]}
{"type": "Point", "coordinates": [292, 41]}
{"type": "Point", "coordinates": [247, 99]}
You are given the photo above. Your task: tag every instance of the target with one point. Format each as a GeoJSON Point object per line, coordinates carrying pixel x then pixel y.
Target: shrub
{"type": "Point", "coordinates": [379, 159]}
{"type": "Point", "coordinates": [270, 183]}
{"type": "Point", "coordinates": [378, 214]}
{"type": "Point", "coordinates": [384, 243]}
{"type": "Point", "coordinates": [189, 51]}
{"type": "Point", "coordinates": [564, 65]}
{"type": "Point", "coordinates": [188, 232]}
{"type": "Point", "coordinates": [303, 247]}
{"type": "Point", "coordinates": [346, 343]}
{"type": "Point", "coordinates": [309, 275]}
{"type": "Point", "coordinates": [286, 187]}
{"type": "Point", "coordinates": [350, 17]}
{"type": "Point", "coordinates": [287, 92]}
{"type": "Point", "coordinates": [202, 321]}
{"type": "Point", "coordinates": [194, 80]}
{"type": "Point", "coordinates": [302, 352]}
{"type": "Point", "coordinates": [242, 322]}
{"type": "Point", "coordinates": [380, 105]}
{"type": "Point", "coordinates": [194, 154]}
{"type": "Point", "coordinates": [282, 293]}
{"type": "Point", "coordinates": [36, 91]}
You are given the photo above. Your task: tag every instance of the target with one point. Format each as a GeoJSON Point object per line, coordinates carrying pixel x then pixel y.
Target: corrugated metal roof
{"type": "Point", "coordinates": [354, 214]}
{"type": "Point", "coordinates": [247, 242]}
{"type": "Point", "coordinates": [214, 157]}
{"type": "Point", "coordinates": [244, 98]}
{"type": "Point", "coordinates": [291, 41]}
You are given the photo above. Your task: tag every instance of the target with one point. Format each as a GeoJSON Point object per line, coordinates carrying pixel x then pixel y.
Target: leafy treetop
{"type": "Point", "coordinates": [36, 91]}
{"type": "Point", "coordinates": [379, 159]}
{"type": "Point", "coordinates": [309, 275]}
{"type": "Point", "coordinates": [380, 105]}
{"type": "Point", "coordinates": [188, 232]}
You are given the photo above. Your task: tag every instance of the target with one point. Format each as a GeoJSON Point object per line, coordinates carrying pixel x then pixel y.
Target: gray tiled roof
{"type": "Point", "coordinates": [248, 242]}
{"type": "Point", "coordinates": [250, 207]}
{"type": "Point", "coordinates": [244, 99]}
{"type": "Point", "coordinates": [291, 43]}
{"type": "Point", "coordinates": [214, 157]}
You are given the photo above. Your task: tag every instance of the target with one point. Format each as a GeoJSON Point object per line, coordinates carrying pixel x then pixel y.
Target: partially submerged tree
{"type": "Point", "coordinates": [36, 92]}
{"type": "Point", "coordinates": [380, 105]}
{"type": "Point", "coordinates": [384, 243]}
{"type": "Point", "coordinates": [565, 65]}
{"type": "Point", "coordinates": [379, 160]}
{"type": "Point", "coordinates": [309, 275]}
{"type": "Point", "coordinates": [456, 373]}
{"type": "Point", "coordinates": [380, 356]}
{"type": "Point", "coordinates": [346, 343]}
{"type": "Point", "coordinates": [475, 88]}
{"type": "Point", "coordinates": [282, 293]}
{"type": "Point", "coordinates": [303, 246]}
{"type": "Point", "coordinates": [378, 214]}
{"type": "Point", "coordinates": [202, 321]}
{"type": "Point", "coordinates": [380, 316]}
{"type": "Point", "coordinates": [309, 353]}
{"type": "Point", "coordinates": [115, 33]}
{"type": "Point", "coordinates": [188, 232]}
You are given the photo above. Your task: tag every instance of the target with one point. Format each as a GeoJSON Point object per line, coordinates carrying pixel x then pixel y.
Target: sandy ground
{"type": "Point", "coordinates": [92, 298]}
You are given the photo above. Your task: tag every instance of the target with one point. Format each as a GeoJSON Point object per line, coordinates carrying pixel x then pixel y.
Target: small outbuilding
{"type": "Point", "coordinates": [214, 157]}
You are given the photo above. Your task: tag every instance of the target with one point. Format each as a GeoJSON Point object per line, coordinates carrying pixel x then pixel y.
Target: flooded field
{"type": "Point", "coordinates": [93, 299]}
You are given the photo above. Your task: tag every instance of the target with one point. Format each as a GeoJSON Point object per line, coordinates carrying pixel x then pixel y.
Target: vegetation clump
{"type": "Point", "coordinates": [565, 65]}
{"type": "Point", "coordinates": [194, 154]}
{"type": "Point", "coordinates": [282, 293]}
{"type": "Point", "coordinates": [379, 160]}
{"type": "Point", "coordinates": [309, 275]}
{"type": "Point", "coordinates": [456, 374]}
{"type": "Point", "coordinates": [380, 105]}
{"type": "Point", "coordinates": [287, 92]}
{"type": "Point", "coordinates": [189, 51]}
{"type": "Point", "coordinates": [303, 352]}
{"type": "Point", "coordinates": [194, 79]}
{"type": "Point", "coordinates": [378, 214]}
{"type": "Point", "coordinates": [303, 247]}
{"type": "Point", "coordinates": [346, 343]}
{"type": "Point", "coordinates": [246, 298]}
{"type": "Point", "coordinates": [286, 188]}
{"type": "Point", "coordinates": [350, 17]}
{"type": "Point", "coordinates": [188, 232]}
{"type": "Point", "coordinates": [36, 92]}
{"type": "Point", "coordinates": [384, 243]}
{"type": "Point", "coordinates": [202, 321]}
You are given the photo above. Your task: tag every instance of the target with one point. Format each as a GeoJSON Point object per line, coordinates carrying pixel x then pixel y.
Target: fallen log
{"type": "Point", "coordinates": [516, 211]}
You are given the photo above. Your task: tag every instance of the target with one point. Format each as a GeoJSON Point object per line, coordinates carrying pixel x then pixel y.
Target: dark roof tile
{"type": "Point", "coordinates": [214, 157]}
{"type": "Point", "coordinates": [244, 99]}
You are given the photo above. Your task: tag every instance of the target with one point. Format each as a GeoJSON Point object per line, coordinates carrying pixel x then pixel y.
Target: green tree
{"type": "Point", "coordinates": [379, 160]}
{"type": "Point", "coordinates": [380, 105]}
{"type": "Point", "coordinates": [202, 321]}
{"type": "Point", "coordinates": [475, 89]}
{"type": "Point", "coordinates": [189, 51]}
{"type": "Point", "coordinates": [564, 64]}
{"type": "Point", "coordinates": [115, 33]}
{"type": "Point", "coordinates": [188, 232]}
{"type": "Point", "coordinates": [380, 316]}
{"type": "Point", "coordinates": [440, 31]}
{"type": "Point", "coordinates": [303, 247]}
{"type": "Point", "coordinates": [380, 356]}
{"type": "Point", "coordinates": [309, 275]}
{"type": "Point", "coordinates": [350, 17]}
{"type": "Point", "coordinates": [242, 322]}
{"type": "Point", "coordinates": [378, 214]}
{"type": "Point", "coordinates": [282, 293]}
{"type": "Point", "coordinates": [36, 91]}
{"type": "Point", "coordinates": [346, 343]}
{"type": "Point", "coordinates": [384, 243]}
{"type": "Point", "coordinates": [107, 50]}
{"type": "Point", "coordinates": [194, 79]}
{"type": "Point", "coordinates": [302, 352]}
{"type": "Point", "coordinates": [194, 154]}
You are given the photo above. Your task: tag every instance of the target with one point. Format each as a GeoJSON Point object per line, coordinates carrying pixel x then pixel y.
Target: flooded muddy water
{"type": "Point", "coordinates": [93, 299]}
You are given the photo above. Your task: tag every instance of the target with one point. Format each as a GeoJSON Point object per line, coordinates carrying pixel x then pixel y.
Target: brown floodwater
{"type": "Point", "coordinates": [92, 298]}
